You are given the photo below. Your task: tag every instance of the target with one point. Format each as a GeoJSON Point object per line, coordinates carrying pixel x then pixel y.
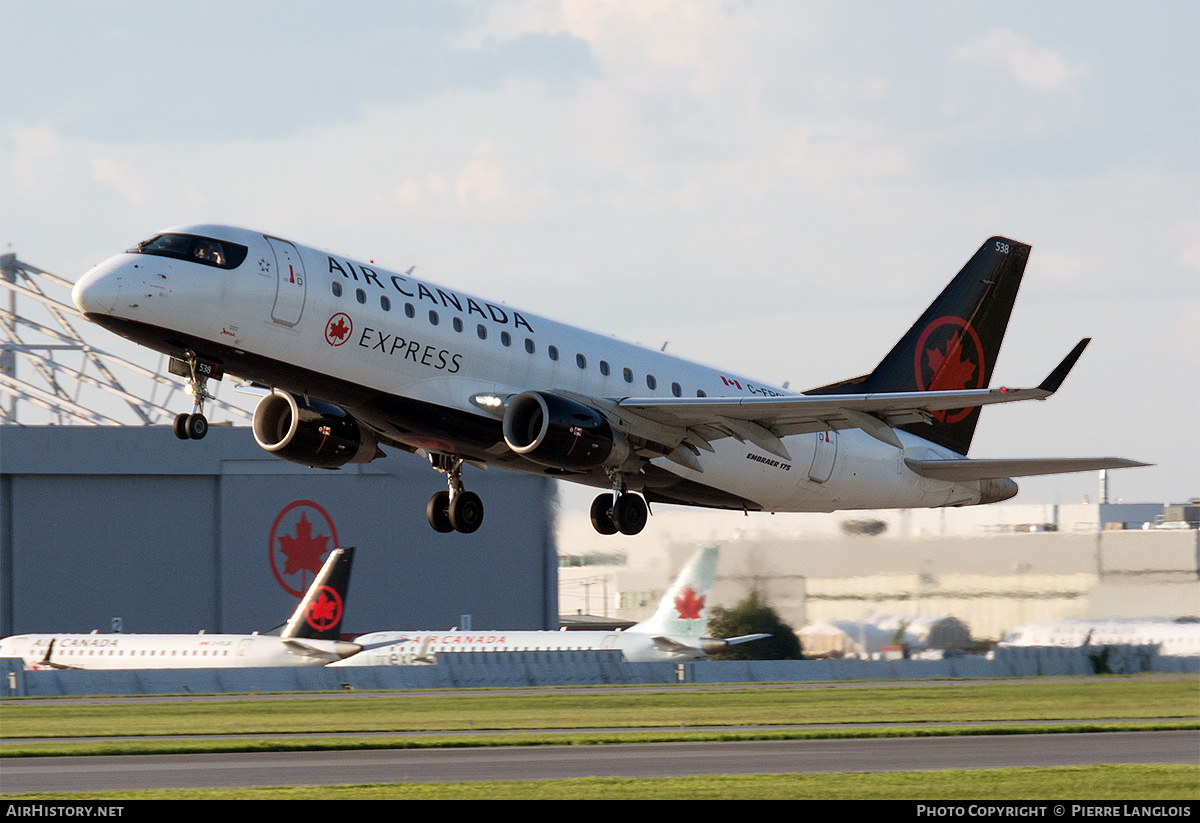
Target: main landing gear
{"type": "Point", "coordinates": [454, 510]}
{"type": "Point", "coordinates": [195, 425]}
{"type": "Point", "coordinates": [619, 511]}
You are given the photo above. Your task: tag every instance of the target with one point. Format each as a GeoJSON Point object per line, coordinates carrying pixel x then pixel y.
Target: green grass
{"type": "Point", "coordinates": [1092, 783]}
{"type": "Point", "coordinates": [1095, 698]}
{"type": "Point", "coordinates": [625, 716]}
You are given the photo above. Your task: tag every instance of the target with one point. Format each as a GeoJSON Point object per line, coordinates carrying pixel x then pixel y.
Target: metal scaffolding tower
{"type": "Point", "coordinates": [38, 383]}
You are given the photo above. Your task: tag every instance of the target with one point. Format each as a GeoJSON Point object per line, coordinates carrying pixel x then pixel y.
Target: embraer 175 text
{"type": "Point", "coordinates": [309, 638]}
{"type": "Point", "coordinates": [356, 357]}
{"type": "Point", "coordinates": [676, 631]}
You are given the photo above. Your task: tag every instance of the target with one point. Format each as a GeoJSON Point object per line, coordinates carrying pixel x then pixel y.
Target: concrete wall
{"type": "Point", "coordinates": [218, 535]}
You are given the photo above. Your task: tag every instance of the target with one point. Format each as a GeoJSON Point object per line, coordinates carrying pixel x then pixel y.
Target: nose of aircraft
{"type": "Point", "coordinates": [98, 290]}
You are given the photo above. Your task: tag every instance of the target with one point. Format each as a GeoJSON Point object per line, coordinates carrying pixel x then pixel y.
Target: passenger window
{"type": "Point", "coordinates": [676, 390]}
{"type": "Point", "coordinates": [604, 367]}
{"type": "Point", "coordinates": [409, 311]}
{"type": "Point", "coordinates": [529, 345]}
{"type": "Point", "coordinates": [337, 288]}
{"type": "Point", "coordinates": [433, 318]}
{"type": "Point", "coordinates": [627, 374]}
{"type": "Point", "coordinates": [701, 393]}
{"type": "Point", "coordinates": [505, 338]}
{"type": "Point", "coordinates": [481, 330]}
{"type": "Point", "coordinates": [651, 382]}
{"type": "Point", "coordinates": [581, 361]}
{"type": "Point", "coordinates": [553, 352]}
{"type": "Point", "coordinates": [458, 324]}
{"type": "Point", "coordinates": [360, 296]}
{"type": "Point", "coordinates": [385, 302]}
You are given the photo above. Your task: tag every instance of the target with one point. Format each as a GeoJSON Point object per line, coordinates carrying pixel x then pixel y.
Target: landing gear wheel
{"type": "Point", "coordinates": [629, 514]}
{"type": "Point", "coordinates": [602, 515]}
{"type": "Point", "coordinates": [195, 426]}
{"type": "Point", "coordinates": [466, 512]}
{"type": "Point", "coordinates": [438, 512]}
{"type": "Point", "coordinates": [180, 426]}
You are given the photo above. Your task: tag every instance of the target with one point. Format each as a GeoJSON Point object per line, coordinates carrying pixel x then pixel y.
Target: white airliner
{"type": "Point", "coordinates": [675, 631]}
{"type": "Point", "coordinates": [1173, 638]}
{"type": "Point", "coordinates": [309, 638]}
{"type": "Point", "coordinates": [352, 356]}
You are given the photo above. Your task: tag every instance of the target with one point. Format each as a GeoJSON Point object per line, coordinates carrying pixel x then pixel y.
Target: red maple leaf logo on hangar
{"type": "Point", "coordinates": [304, 551]}
{"type": "Point", "coordinates": [688, 605]}
{"type": "Point", "coordinates": [301, 536]}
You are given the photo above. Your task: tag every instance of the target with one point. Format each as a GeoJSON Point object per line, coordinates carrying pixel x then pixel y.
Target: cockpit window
{"type": "Point", "coordinates": [206, 250]}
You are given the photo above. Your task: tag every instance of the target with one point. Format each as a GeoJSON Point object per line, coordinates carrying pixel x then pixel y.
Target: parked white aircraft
{"type": "Point", "coordinates": [675, 631]}
{"type": "Point", "coordinates": [309, 638]}
{"type": "Point", "coordinates": [1174, 638]}
{"type": "Point", "coordinates": [356, 356]}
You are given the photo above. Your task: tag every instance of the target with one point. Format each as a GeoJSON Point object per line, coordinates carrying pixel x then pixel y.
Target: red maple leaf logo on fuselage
{"type": "Point", "coordinates": [688, 605]}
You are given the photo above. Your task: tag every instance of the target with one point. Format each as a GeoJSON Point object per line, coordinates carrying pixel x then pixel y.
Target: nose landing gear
{"type": "Point", "coordinates": [195, 425]}
{"type": "Point", "coordinates": [454, 510]}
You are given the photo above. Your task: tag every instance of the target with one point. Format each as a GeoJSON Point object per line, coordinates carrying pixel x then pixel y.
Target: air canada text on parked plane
{"type": "Point", "coordinates": [443, 298]}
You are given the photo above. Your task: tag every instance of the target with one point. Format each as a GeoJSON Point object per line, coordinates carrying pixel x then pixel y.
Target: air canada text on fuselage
{"type": "Point", "coordinates": [417, 290]}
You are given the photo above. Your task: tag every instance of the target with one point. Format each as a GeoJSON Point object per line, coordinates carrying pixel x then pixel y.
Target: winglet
{"type": "Point", "coordinates": [1056, 377]}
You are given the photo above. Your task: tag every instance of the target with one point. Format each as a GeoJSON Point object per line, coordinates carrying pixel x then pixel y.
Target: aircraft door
{"type": "Point", "coordinates": [290, 283]}
{"type": "Point", "coordinates": [824, 456]}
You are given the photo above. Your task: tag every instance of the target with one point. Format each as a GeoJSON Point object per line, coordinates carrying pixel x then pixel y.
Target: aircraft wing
{"type": "Point", "coordinates": [687, 424]}
{"type": "Point", "coordinates": [960, 470]}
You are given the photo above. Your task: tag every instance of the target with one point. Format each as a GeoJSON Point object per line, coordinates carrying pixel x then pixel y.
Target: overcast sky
{"type": "Point", "coordinates": [776, 188]}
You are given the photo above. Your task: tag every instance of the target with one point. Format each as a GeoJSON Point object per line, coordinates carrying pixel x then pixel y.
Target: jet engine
{"type": "Point", "coordinates": [311, 433]}
{"type": "Point", "coordinates": [554, 431]}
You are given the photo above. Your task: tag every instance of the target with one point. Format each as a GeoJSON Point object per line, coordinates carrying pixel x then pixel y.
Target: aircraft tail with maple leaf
{"type": "Point", "coordinates": [953, 347]}
{"type": "Point", "coordinates": [319, 614]}
{"type": "Point", "coordinates": [680, 624]}
{"type": "Point", "coordinates": [954, 344]}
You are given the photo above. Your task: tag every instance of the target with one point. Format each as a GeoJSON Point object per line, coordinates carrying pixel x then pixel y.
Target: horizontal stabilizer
{"type": "Point", "coordinates": [745, 638]}
{"type": "Point", "coordinates": [966, 469]}
{"type": "Point", "coordinates": [340, 649]}
{"type": "Point", "coordinates": [672, 646]}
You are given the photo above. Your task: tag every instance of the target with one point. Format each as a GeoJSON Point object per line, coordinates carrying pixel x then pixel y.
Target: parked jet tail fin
{"type": "Point", "coordinates": [954, 344]}
{"type": "Point", "coordinates": [319, 615]}
{"type": "Point", "coordinates": [683, 611]}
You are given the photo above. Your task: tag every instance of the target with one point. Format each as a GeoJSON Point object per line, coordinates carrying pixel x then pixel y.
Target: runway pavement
{"type": "Point", "coordinates": [90, 774]}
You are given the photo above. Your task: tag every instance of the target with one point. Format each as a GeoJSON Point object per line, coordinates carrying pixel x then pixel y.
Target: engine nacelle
{"type": "Point", "coordinates": [311, 433]}
{"type": "Point", "coordinates": [553, 431]}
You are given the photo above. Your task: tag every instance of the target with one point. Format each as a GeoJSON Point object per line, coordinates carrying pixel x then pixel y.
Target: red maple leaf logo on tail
{"type": "Point", "coordinates": [325, 610]}
{"type": "Point", "coordinates": [688, 605]}
{"type": "Point", "coordinates": [950, 352]}
{"type": "Point", "coordinates": [951, 370]}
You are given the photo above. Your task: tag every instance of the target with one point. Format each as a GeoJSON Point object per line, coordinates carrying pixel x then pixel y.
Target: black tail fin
{"type": "Point", "coordinates": [954, 344]}
{"type": "Point", "coordinates": [319, 615]}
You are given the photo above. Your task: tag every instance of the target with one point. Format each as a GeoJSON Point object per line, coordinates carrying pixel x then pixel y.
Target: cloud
{"type": "Point", "coordinates": [1041, 69]}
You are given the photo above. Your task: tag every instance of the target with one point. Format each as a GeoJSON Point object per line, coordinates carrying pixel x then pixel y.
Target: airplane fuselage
{"type": "Point", "coordinates": [421, 647]}
{"type": "Point", "coordinates": [167, 651]}
{"type": "Point", "coordinates": [412, 360]}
